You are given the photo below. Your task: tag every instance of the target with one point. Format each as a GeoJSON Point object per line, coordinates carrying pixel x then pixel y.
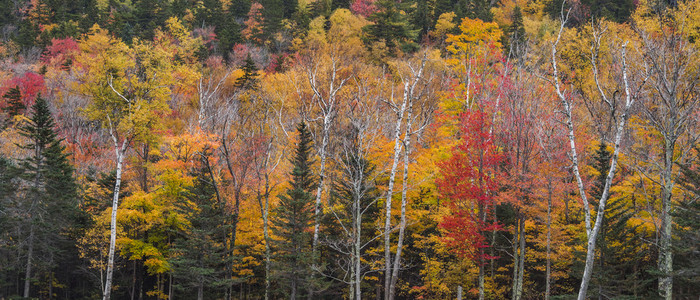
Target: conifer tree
{"type": "Point", "coordinates": [516, 34]}
{"type": "Point", "coordinates": [249, 80]}
{"type": "Point", "coordinates": [686, 258]}
{"type": "Point", "coordinates": [292, 221]}
{"type": "Point", "coordinates": [201, 251]}
{"type": "Point", "coordinates": [391, 26]}
{"type": "Point", "coordinates": [14, 105]}
{"type": "Point", "coordinates": [52, 192]}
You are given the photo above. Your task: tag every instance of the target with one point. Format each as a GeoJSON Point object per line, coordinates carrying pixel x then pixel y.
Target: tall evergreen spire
{"type": "Point", "coordinates": [293, 219]}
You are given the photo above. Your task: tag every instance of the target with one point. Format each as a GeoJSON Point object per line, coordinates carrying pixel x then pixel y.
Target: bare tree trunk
{"type": "Point", "coordinates": [321, 174]}
{"type": "Point", "coordinates": [548, 275]}
{"type": "Point", "coordinates": [521, 265]}
{"type": "Point", "coordinates": [113, 224]}
{"type": "Point", "coordinates": [665, 252]}
{"type": "Point", "coordinates": [592, 231]}
{"type": "Point", "coordinates": [389, 196]}
{"type": "Point", "coordinates": [516, 260]}
{"type": "Point", "coordinates": [404, 200]}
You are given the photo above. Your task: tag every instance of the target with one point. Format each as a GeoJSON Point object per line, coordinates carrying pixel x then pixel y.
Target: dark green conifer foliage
{"type": "Point", "coordinates": [422, 17]}
{"type": "Point", "coordinates": [292, 220]}
{"type": "Point", "coordinates": [273, 13]}
{"type": "Point", "coordinates": [686, 258]}
{"type": "Point", "coordinates": [391, 25]}
{"type": "Point", "coordinates": [50, 203]}
{"type": "Point", "coordinates": [516, 34]}
{"type": "Point", "coordinates": [199, 264]}
{"type": "Point", "coordinates": [249, 80]}
{"type": "Point", "coordinates": [13, 102]}
{"type": "Point", "coordinates": [352, 194]}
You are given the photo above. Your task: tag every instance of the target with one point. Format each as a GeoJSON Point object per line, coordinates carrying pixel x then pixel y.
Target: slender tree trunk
{"type": "Point", "coordinates": [516, 261]}
{"type": "Point", "coordinates": [30, 256]}
{"type": "Point", "coordinates": [200, 291]}
{"type": "Point", "coordinates": [404, 200]}
{"type": "Point", "coordinates": [358, 248]}
{"type": "Point", "coordinates": [387, 206]}
{"type": "Point", "coordinates": [481, 280]}
{"type": "Point", "coordinates": [548, 275]}
{"type": "Point", "coordinates": [113, 225]}
{"type": "Point", "coordinates": [266, 234]}
{"type": "Point", "coordinates": [521, 265]}
{"type": "Point", "coordinates": [665, 252]}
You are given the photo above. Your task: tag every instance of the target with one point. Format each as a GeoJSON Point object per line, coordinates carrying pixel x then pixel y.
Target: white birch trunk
{"type": "Point", "coordinates": [120, 151]}
{"type": "Point", "coordinates": [389, 195]}
{"type": "Point", "coordinates": [592, 231]}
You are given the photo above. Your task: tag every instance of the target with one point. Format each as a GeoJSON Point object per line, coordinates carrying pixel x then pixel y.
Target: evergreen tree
{"type": "Point", "coordinates": [686, 259]}
{"type": "Point", "coordinates": [353, 197]}
{"type": "Point", "coordinates": [292, 220]}
{"type": "Point", "coordinates": [516, 34]}
{"type": "Point", "coordinates": [391, 25]}
{"type": "Point", "coordinates": [201, 251]}
{"type": "Point", "coordinates": [273, 14]}
{"type": "Point", "coordinates": [51, 196]}
{"type": "Point", "coordinates": [249, 80]}
{"type": "Point", "coordinates": [14, 105]}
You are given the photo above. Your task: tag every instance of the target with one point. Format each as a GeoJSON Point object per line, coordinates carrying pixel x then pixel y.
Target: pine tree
{"type": "Point", "coordinates": [292, 221]}
{"type": "Point", "coordinates": [249, 80]}
{"type": "Point", "coordinates": [14, 105]}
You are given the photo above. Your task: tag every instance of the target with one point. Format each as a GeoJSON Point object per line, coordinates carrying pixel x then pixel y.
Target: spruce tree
{"type": "Point", "coordinates": [391, 25]}
{"type": "Point", "coordinates": [292, 220]}
{"type": "Point", "coordinates": [249, 80]}
{"type": "Point", "coordinates": [199, 264]}
{"type": "Point", "coordinates": [51, 197]}
{"type": "Point", "coordinates": [686, 258]}
{"type": "Point", "coordinates": [14, 105]}
{"type": "Point", "coordinates": [516, 34]}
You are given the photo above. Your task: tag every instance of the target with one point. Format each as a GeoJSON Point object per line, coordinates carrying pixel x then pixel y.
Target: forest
{"type": "Point", "coordinates": [349, 149]}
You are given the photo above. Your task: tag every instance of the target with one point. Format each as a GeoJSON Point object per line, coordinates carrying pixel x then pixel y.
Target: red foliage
{"type": "Point", "coordinates": [469, 180]}
{"type": "Point", "coordinates": [61, 53]}
{"type": "Point", "coordinates": [30, 85]}
{"type": "Point", "coordinates": [363, 7]}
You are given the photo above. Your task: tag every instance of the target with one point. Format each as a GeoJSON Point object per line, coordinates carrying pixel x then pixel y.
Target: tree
{"type": "Point", "coordinates": [13, 105]}
{"type": "Point", "coordinates": [129, 88]}
{"type": "Point", "coordinates": [670, 108]}
{"type": "Point", "coordinates": [51, 194]}
{"type": "Point", "coordinates": [469, 180]}
{"type": "Point", "coordinates": [391, 27]}
{"type": "Point", "coordinates": [293, 219]}
{"type": "Point", "coordinates": [687, 258]}
{"type": "Point", "coordinates": [619, 112]}
{"type": "Point", "coordinates": [249, 80]}
{"type": "Point", "coordinates": [201, 248]}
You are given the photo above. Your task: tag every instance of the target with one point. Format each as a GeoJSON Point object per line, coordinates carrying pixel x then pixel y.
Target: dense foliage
{"type": "Point", "coordinates": [359, 149]}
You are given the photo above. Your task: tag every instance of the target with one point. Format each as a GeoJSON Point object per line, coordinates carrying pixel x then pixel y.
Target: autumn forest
{"type": "Point", "coordinates": [349, 149]}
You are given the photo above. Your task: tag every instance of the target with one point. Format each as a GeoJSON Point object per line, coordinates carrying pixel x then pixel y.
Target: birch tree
{"type": "Point", "coordinates": [129, 88]}
{"type": "Point", "coordinates": [670, 107]}
{"type": "Point", "coordinates": [619, 111]}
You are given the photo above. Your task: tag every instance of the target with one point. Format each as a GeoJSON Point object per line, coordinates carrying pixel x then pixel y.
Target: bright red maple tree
{"type": "Point", "coordinates": [469, 181]}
